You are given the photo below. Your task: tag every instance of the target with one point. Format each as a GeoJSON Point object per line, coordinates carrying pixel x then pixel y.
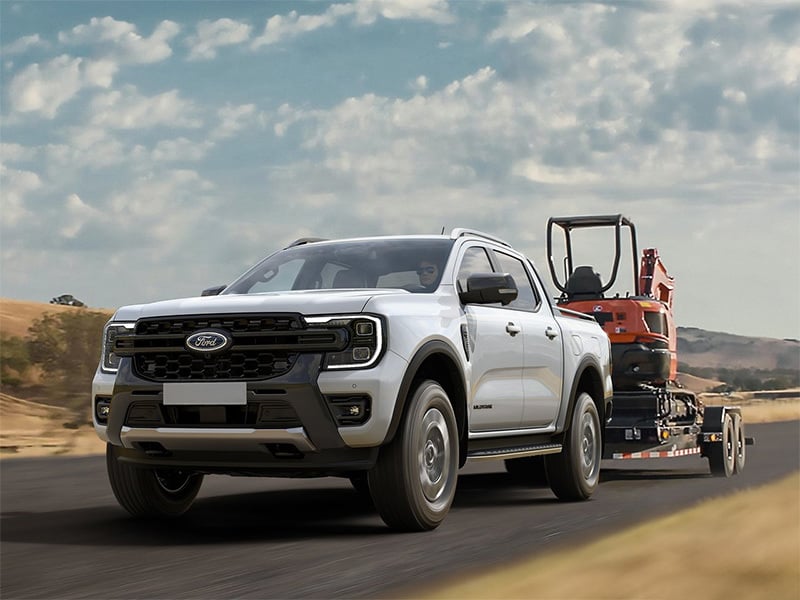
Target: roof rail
{"type": "Point", "coordinates": [461, 232]}
{"type": "Point", "coordinates": [305, 240]}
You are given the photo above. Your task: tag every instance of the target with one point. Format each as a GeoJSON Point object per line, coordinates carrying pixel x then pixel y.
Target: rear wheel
{"type": "Point", "coordinates": [574, 473]}
{"type": "Point", "coordinates": [147, 492]}
{"type": "Point", "coordinates": [722, 456]}
{"type": "Point", "coordinates": [414, 481]}
{"type": "Point", "coordinates": [739, 444]}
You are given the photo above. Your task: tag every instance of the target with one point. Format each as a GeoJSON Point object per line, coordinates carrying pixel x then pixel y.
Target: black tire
{"type": "Point", "coordinates": [739, 444]}
{"type": "Point", "coordinates": [528, 470]}
{"type": "Point", "coordinates": [722, 455]}
{"type": "Point", "coordinates": [147, 492]}
{"type": "Point", "coordinates": [414, 481]}
{"type": "Point", "coordinates": [574, 473]}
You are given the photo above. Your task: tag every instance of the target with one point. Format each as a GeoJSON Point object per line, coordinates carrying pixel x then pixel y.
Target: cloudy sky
{"type": "Point", "coordinates": [152, 149]}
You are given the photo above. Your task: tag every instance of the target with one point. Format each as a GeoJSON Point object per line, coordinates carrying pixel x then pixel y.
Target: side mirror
{"type": "Point", "coordinates": [213, 291]}
{"type": "Point", "coordinates": [489, 288]}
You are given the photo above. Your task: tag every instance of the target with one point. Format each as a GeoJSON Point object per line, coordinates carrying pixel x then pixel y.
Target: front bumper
{"type": "Point", "coordinates": [310, 441]}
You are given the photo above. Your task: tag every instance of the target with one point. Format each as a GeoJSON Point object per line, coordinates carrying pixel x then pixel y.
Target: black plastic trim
{"type": "Point", "coordinates": [586, 363]}
{"type": "Point", "coordinates": [427, 349]}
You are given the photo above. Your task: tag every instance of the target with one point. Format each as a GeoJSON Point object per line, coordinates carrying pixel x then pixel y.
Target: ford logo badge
{"type": "Point", "coordinates": [208, 341]}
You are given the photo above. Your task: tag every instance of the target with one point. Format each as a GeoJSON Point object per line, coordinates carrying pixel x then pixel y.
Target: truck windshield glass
{"type": "Point", "coordinates": [411, 264]}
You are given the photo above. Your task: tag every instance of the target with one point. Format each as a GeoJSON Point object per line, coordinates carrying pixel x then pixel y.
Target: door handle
{"type": "Point", "coordinates": [513, 329]}
{"type": "Point", "coordinates": [550, 333]}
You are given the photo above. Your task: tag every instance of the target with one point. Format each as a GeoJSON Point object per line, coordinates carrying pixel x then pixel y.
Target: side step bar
{"type": "Point", "coordinates": [514, 451]}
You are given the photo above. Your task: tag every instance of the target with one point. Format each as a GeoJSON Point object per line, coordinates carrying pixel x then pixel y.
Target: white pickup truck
{"type": "Point", "coordinates": [388, 360]}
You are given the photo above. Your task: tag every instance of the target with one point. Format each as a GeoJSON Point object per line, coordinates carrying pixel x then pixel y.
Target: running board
{"type": "Point", "coordinates": [514, 451]}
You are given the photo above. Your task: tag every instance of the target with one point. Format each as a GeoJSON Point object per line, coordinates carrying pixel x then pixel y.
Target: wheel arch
{"type": "Point", "coordinates": [589, 380]}
{"type": "Point", "coordinates": [438, 361]}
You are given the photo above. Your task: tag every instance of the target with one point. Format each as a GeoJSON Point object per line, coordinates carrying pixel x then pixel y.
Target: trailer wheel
{"type": "Point", "coordinates": [574, 472]}
{"type": "Point", "coordinates": [722, 456]}
{"type": "Point", "coordinates": [740, 443]}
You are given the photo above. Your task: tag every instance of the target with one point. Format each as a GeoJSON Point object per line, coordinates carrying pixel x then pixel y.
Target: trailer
{"type": "Point", "coordinates": [653, 416]}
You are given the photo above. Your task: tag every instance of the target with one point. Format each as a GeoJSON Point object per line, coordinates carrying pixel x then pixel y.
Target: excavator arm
{"type": "Point", "coordinates": [654, 281]}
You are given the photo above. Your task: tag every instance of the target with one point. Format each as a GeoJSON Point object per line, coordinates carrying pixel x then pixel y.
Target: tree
{"type": "Point", "coordinates": [67, 347]}
{"type": "Point", "coordinates": [14, 360]}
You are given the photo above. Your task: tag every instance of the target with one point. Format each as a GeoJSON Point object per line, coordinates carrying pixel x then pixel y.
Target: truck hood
{"type": "Point", "coordinates": [307, 302]}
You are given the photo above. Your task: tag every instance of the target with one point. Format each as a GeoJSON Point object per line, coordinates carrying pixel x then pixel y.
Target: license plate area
{"type": "Point", "coordinates": [196, 393]}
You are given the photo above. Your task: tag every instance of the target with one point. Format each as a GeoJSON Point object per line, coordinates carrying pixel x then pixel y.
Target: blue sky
{"type": "Point", "coordinates": [152, 149]}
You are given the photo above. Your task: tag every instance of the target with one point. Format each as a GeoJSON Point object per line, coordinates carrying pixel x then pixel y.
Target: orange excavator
{"type": "Point", "coordinates": [653, 416]}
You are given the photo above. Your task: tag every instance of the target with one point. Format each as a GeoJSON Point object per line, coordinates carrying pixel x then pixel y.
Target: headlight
{"type": "Point", "coordinates": [109, 362]}
{"type": "Point", "coordinates": [365, 340]}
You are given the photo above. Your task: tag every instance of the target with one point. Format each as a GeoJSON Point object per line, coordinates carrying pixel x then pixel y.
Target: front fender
{"type": "Point", "coordinates": [454, 380]}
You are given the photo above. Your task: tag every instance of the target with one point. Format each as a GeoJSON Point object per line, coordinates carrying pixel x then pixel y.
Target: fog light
{"type": "Point", "coordinates": [354, 410]}
{"type": "Point", "coordinates": [362, 353]}
{"type": "Point", "coordinates": [102, 408]}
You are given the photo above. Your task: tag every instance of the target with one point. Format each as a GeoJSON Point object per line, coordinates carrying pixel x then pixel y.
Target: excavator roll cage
{"type": "Point", "coordinates": [567, 224]}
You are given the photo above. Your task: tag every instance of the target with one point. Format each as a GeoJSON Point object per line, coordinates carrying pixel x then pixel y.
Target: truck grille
{"type": "Point", "coordinates": [262, 346]}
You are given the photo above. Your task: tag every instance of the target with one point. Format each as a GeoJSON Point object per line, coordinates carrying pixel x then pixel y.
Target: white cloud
{"type": "Point", "coordinates": [16, 186]}
{"type": "Point", "coordinates": [86, 147]}
{"type": "Point", "coordinates": [13, 153]}
{"type": "Point", "coordinates": [180, 149]}
{"type": "Point", "coordinates": [77, 215]}
{"type": "Point", "coordinates": [121, 41]}
{"type": "Point", "coordinates": [24, 44]}
{"type": "Point", "coordinates": [211, 35]}
{"type": "Point", "coordinates": [280, 28]}
{"type": "Point", "coordinates": [43, 89]}
{"type": "Point", "coordinates": [420, 84]}
{"type": "Point", "coordinates": [436, 11]}
{"type": "Point", "coordinates": [127, 109]}
{"type": "Point", "coordinates": [233, 119]}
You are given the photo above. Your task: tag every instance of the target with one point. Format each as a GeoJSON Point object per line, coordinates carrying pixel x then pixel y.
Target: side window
{"type": "Point", "coordinates": [527, 298]}
{"type": "Point", "coordinates": [475, 260]}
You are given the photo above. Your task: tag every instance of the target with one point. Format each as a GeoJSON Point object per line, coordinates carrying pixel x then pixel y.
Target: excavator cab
{"type": "Point", "coordinates": [640, 324]}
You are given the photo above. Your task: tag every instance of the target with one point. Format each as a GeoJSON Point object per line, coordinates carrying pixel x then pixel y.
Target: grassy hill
{"type": "Point", "coordinates": [701, 348]}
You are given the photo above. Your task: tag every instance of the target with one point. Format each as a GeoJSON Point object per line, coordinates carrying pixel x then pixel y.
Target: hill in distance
{"type": "Point", "coordinates": [699, 348]}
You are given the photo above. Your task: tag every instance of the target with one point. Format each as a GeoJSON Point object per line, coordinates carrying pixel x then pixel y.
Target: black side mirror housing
{"type": "Point", "coordinates": [489, 288]}
{"type": "Point", "coordinates": [213, 291]}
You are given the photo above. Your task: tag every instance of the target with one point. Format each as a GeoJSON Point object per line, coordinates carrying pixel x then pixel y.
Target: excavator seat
{"type": "Point", "coordinates": [584, 284]}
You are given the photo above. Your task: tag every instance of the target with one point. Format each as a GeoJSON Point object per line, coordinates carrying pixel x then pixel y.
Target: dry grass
{"type": "Point", "coordinates": [757, 410]}
{"type": "Point", "coordinates": [732, 547]}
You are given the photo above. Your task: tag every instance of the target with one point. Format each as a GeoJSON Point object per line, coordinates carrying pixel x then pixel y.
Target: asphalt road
{"type": "Point", "coordinates": [62, 534]}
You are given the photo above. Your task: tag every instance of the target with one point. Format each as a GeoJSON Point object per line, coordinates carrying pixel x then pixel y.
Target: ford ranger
{"type": "Point", "coordinates": [390, 361]}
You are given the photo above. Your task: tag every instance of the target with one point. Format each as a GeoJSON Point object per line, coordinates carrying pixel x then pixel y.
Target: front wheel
{"type": "Point", "coordinates": [574, 473]}
{"type": "Point", "coordinates": [414, 481]}
{"type": "Point", "coordinates": [148, 492]}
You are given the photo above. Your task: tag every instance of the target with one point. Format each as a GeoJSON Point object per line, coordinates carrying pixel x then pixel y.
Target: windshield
{"type": "Point", "coordinates": [412, 264]}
